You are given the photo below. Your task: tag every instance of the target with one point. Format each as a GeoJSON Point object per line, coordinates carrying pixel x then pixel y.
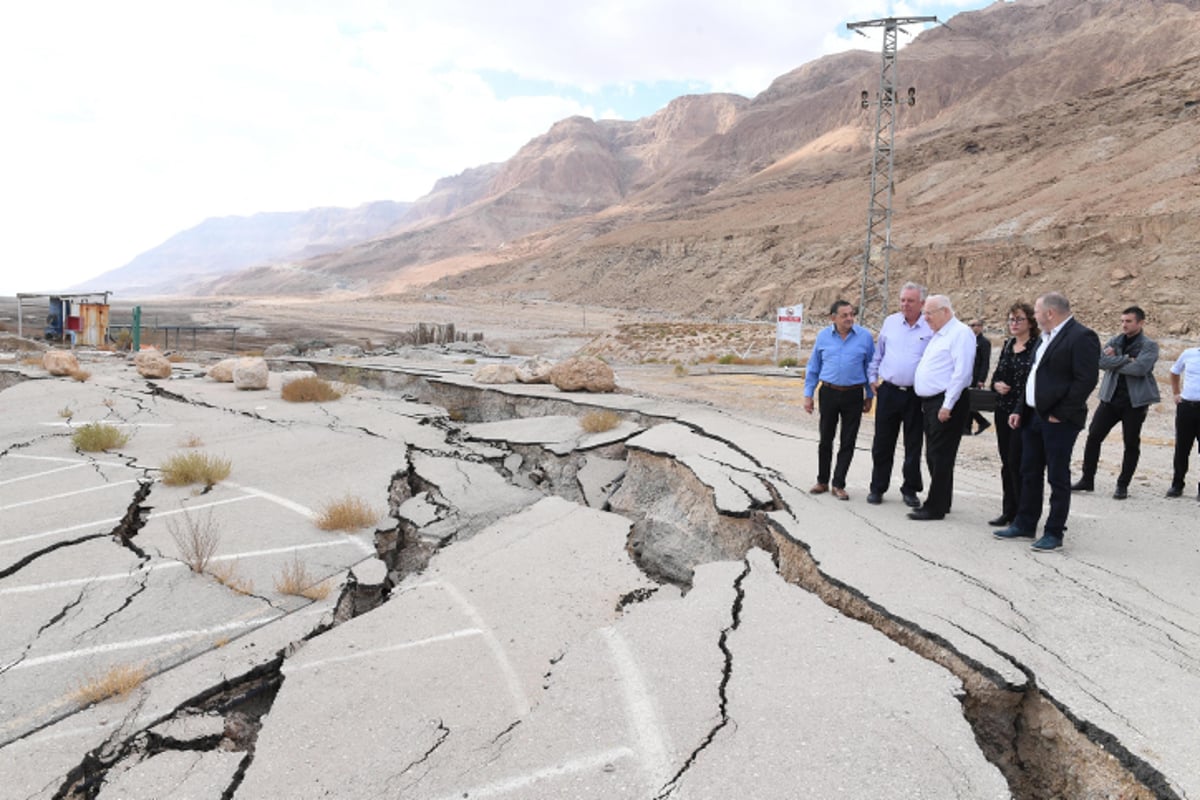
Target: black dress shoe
{"type": "Point", "coordinates": [874, 498]}
{"type": "Point", "coordinates": [911, 500]}
{"type": "Point", "coordinates": [924, 515]}
{"type": "Point", "coordinates": [1175, 491]}
{"type": "Point", "coordinates": [1120, 493]}
{"type": "Point", "coordinates": [1000, 522]}
{"type": "Point", "coordinates": [1083, 485]}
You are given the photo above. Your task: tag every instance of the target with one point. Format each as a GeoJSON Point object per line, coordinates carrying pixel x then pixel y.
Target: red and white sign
{"type": "Point", "coordinates": [789, 323]}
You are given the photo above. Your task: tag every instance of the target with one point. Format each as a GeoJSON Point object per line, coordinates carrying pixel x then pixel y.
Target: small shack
{"type": "Point", "coordinates": [81, 318]}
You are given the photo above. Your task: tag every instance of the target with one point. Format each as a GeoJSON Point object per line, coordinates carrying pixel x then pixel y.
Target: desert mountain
{"type": "Point", "coordinates": [222, 245]}
{"type": "Point", "coordinates": [1054, 144]}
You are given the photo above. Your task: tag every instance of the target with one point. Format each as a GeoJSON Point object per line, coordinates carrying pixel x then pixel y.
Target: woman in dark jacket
{"type": "Point", "coordinates": [1012, 370]}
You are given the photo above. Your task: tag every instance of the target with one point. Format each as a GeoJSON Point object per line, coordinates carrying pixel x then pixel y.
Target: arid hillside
{"type": "Point", "coordinates": [1054, 144]}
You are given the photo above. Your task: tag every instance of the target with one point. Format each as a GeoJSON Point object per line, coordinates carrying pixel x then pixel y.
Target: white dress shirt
{"type": "Point", "coordinates": [1188, 365]}
{"type": "Point", "coordinates": [947, 363]}
{"type": "Point", "coordinates": [898, 350]}
{"type": "Point", "coordinates": [1046, 338]}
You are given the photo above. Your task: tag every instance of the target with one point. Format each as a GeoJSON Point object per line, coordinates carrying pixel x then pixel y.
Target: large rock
{"type": "Point", "coordinates": [583, 374]}
{"type": "Point", "coordinates": [250, 373]}
{"type": "Point", "coordinates": [152, 365]}
{"type": "Point", "coordinates": [60, 362]}
{"type": "Point", "coordinates": [496, 373]}
{"type": "Point", "coordinates": [535, 370]}
{"type": "Point", "coordinates": [277, 350]}
{"type": "Point", "coordinates": [222, 371]}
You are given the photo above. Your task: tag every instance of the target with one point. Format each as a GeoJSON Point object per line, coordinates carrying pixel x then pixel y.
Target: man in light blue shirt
{"type": "Point", "coordinates": [1187, 414]}
{"type": "Point", "coordinates": [902, 339]}
{"type": "Point", "coordinates": [839, 362]}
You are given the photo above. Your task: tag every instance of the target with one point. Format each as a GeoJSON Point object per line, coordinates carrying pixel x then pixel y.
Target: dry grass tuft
{"type": "Point", "coordinates": [176, 358]}
{"type": "Point", "coordinates": [183, 469]}
{"type": "Point", "coordinates": [191, 440]}
{"type": "Point", "coordinates": [96, 437]}
{"type": "Point", "coordinates": [66, 412]}
{"type": "Point", "coordinates": [599, 421]}
{"type": "Point", "coordinates": [347, 514]}
{"type": "Point", "coordinates": [197, 539]}
{"type": "Point", "coordinates": [296, 580]}
{"type": "Point", "coordinates": [80, 375]}
{"type": "Point", "coordinates": [117, 682]}
{"type": "Point", "coordinates": [310, 390]}
{"type": "Point", "coordinates": [228, 575]}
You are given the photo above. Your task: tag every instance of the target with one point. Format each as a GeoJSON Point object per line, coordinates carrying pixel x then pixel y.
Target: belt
{"type": "Point", "coordinates": [932, 396]}
{"type": "Point", "coordinates": [896, 386]}
{"type": "Point", "coordinates": [838, 388]}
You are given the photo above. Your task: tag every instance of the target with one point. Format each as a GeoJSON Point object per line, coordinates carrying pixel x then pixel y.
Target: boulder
{"type": "Point", "coordinates": [496, 373]}
{"type": "Point", "coordinates": [152, 365]}
{"type": "Point", "coordinates": [60, 362]}
{"type": "Point", "coordinates": [277, 350]}
{"type": "Point", "coordinates": [250, 373]}
{"type": "Point", "coordinates": [583, 374]}
{"type": "Point", "coordinates": [222, 371]}
{"type": "Point", "coordinates": [535, 370]}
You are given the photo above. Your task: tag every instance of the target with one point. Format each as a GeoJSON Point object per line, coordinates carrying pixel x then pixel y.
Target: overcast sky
{"type": "Point", "coordinates": [127, 122]}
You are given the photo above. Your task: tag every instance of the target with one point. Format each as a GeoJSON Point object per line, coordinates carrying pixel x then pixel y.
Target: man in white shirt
{"type": "Point", "coordinates": [1187, 414]}
{"type": "Point", "coordinates": [902, 339]}
{"type": "Point", "coordinates": [941, 379]}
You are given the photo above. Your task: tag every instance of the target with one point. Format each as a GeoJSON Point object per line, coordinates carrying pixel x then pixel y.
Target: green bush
{"type": "Point", "coordinates": [96, 437]}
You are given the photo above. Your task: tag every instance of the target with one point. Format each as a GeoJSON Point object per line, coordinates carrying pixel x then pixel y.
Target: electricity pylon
{"type": "Point", "coordinates": [873, 300]}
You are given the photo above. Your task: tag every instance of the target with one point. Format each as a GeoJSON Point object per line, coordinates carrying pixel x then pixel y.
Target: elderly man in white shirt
{"type": "Point", "coordinates": [942, 377]}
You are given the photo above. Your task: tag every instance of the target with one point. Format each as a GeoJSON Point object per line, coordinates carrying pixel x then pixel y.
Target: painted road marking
{"type": "Point", "coordinates": [520, 782]}
{"type": "Point", "coordinates": [444, 637]}
{"type": "Point", "coordinates": [67, 494]}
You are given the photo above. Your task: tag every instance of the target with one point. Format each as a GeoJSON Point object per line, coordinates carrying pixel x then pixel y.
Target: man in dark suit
{"type": "Point", "coordinates": [1051, 415]}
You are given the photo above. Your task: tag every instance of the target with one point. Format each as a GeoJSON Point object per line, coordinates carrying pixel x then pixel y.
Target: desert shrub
{"type": "Point", "coordinates": [788, 362]}
{"type": "Point", "coordinates": [183, 469]}
{"type": "Point", "coordinates": [599, 421]}
{"type": "Point", "coordinates": [346, 514]}
{"type": "Point", "coordinates": [197, 539]}
{"type": "Point", "coordinates": [123, 340]}
{"type": "Point", "coordinates": [96, 437]}
{"type": "Point", "coordinates": [680, 371]}
{"type": "Point", "coordinates": [65, 412]}
{"type": "Point", "coordinates": [296, 580]}
{"type": "Point", "coordinates": [229, 575]}
{"type": "Point", "coordinates": [191, 440]}
{"type": "Point", "coordinates": [118, 681]}
{"type": "Point", "coordinates": [728, 358]}
{"type": "Point", "coordinates": [468, 361]}
{"type": "Point", "coordinates": [310, 389]}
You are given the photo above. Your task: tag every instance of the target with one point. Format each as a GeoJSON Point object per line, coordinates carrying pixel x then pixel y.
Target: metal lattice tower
{"type": "Point", "coordinates": [873, 300]}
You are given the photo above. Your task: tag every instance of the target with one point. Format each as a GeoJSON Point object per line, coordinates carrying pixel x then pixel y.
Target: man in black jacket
{"type": "Point", "coordinates": [1050, 416]}
{"type": "Point", "coordinates": [983, 360]}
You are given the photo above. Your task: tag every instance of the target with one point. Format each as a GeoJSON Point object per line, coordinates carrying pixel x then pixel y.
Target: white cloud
{"type": "Point", "coordinates": [132, 120]}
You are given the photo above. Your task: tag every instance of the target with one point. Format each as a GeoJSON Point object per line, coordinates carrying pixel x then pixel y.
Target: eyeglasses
{"type": "Point", "coordinates": [1011, 320]}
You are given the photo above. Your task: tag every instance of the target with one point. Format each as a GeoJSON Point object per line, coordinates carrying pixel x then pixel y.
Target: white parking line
{"type": "Point", "coordinates": [78, 423]}
{"type": "Point", "coordinates": [445, 637]}
{"type": "Point", "coordinates": [131, 644]}
{"type": "Point", "coordinates": [67, 494]}
{"type": "Point", "coordinates": [520, 782]}
{"type": "Point", "coordinates": [64, 460]}
{"type": "Point", "coordinates": [274, 498]}
{"type": "Point", "coordinates": [515, 690]}
{"type": "Point", "coordinates": [115, 520]}
{"type": "Point", "coordinates": [117, 576]}
{"type": "Point", "coordinates": [76, 465]}
{"type": "Point", "coordinates": [640, 708]}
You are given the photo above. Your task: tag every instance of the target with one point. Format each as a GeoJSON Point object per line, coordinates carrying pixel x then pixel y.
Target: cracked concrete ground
{"type": "Point", "coordinates": [661, 611]}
